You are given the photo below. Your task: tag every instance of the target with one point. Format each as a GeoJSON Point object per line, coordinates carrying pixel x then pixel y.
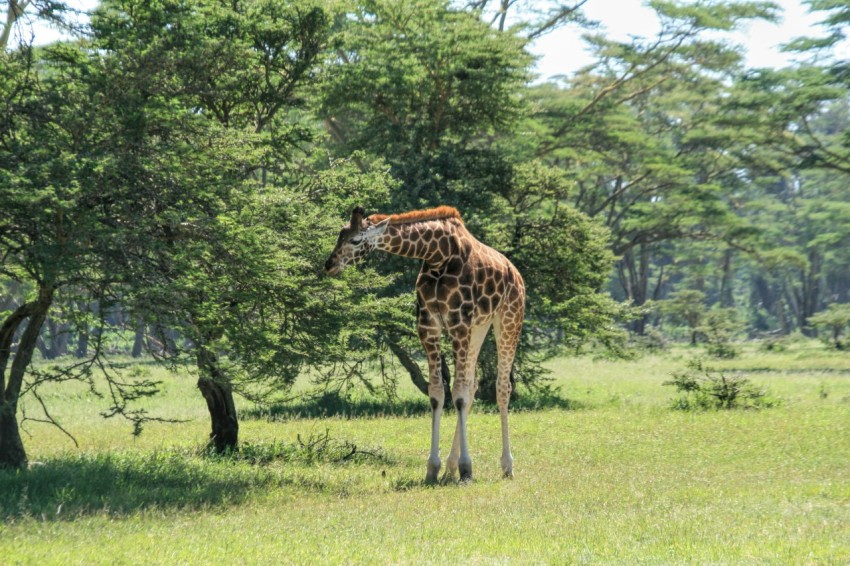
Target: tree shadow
{"type": "Point", "coordinates": [69, 487]}
{"type": "Point", "coordinates": [333, 404]}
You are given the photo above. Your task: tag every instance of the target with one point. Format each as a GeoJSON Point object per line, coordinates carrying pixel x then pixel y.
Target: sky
{"type": "Point", "coordinates": [562, 52]}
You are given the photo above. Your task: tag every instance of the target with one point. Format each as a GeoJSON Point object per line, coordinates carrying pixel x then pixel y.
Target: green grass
{"type": "Point", "coordinates": [611, 475]}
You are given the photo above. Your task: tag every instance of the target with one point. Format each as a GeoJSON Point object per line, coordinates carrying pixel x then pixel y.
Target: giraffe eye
{"type": "Point", "coordinates": [356, 241]}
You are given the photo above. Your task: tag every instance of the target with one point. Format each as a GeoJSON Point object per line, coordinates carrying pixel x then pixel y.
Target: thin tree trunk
{"type": "Point", "coordinates": [82, 343]}
{"type": "Point", "coordinates": [58, 333]}
{"type": "Point", "coordinates": [411, 366]}
{"type": "Point", "coordinates": [218, 394]}
{"type": "Point", "coordinates": [447, 380]}
{"type": "Point", "coordinates": [14, 10]}
{"type": "Point", "coordinates": [634, 277]}
{"type": "Point", "coordinates": [12, 452]}
{"type": "Point", "coordinates": [727, 299]}
{"type": "Point", "coordinates": [416, 375]}
{"type": "Point", "coordinates": [139, 341]}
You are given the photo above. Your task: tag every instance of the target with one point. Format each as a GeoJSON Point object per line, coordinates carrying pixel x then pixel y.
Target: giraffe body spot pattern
{"type": "Point", "coordinates": [464, 288]}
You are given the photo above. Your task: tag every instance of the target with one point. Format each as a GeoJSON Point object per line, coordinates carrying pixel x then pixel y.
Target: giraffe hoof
{"type": "Point", "coordinates": [448, 477]}
{"type": "Point", "coordinates": [465, 469]}
{"type": "Point", "coordinates": [508, 475]}
{"type": "Point", "coordinates": [432, 476]}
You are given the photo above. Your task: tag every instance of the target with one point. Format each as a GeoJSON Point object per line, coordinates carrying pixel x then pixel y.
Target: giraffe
{"type": "Point", "coordinates": [464, 288]}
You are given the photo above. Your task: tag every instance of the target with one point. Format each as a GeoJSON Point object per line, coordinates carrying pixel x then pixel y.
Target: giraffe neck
{"type": "Point", "coordinates": [432, 241]}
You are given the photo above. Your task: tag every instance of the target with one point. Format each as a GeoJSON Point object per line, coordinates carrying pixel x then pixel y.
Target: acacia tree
{"type": "Point", "coordinates": [797, 165]}
{"type": "Point", "coordinates": [129, 180]}
{"type": "Point", "coordinates": [226, 254]}
{"type": "Point", "coordinates": [434, 92]}
{"type": "Point", "coordinates": [53, 227]}
{"type": "Point", "coordinates": [640, 135]}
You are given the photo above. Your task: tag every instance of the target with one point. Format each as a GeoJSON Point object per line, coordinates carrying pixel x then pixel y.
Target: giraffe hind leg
{"type": "Point", "coordinates": [507, 338]}
{"type": "Point", "coordinates": [456, 463]}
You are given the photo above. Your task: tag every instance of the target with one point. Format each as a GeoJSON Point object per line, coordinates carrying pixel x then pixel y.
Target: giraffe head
{"type": "Point", "coordinates": [355, 241]}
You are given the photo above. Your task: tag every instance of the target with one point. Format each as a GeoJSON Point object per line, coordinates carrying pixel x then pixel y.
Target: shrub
{"type": "Point", "coordinates": [704, 388]}
{"type": "Point", "coordinates": [834, 320]}
{"type": "Point", "coordinates": [719, 327]}
{"type": "Point", "coordinates": [652, 340]}
{"type": "Point", "coordinates": [686, 307]}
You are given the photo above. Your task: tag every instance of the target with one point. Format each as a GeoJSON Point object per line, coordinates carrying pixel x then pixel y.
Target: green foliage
{"type": "Point", "coordinates": [686, 306]}
{"type": "Point", "coordinates": [410, 76]}
{"type": "Point", "coordinates": [834, 322]}
{"type": "Point", "coordinates": [705, 388]}
{"type": "Point", "coordinates": [719, 328]}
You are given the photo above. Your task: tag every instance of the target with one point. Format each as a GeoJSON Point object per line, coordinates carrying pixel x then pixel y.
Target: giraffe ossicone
{"type": "Point", "coordinates": [464, 288]}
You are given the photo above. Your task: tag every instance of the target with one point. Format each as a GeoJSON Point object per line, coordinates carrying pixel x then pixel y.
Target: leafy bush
{"type": "Point", "coordinates": [719, 327]}
{"type": "Point", "coordinates": [834, 320]}
{"type": "Point", "coordinates": [652, 340]}
{"type": "Point", "coordinates": [705, 388]}
{"type": "Point", "coordinates": [687, 307]}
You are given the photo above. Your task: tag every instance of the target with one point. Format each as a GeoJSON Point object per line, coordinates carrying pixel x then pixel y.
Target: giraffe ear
{"type": "Point", "coordinates": [357, 217]}
{"type": "Point", "coordinates": [378, 229]}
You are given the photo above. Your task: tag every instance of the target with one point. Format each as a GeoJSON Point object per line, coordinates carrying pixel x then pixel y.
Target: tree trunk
{"type": "Point", "coordinates": [12, 453]}
{"type": "Point", "coordinates": [416, 375]}
{"type": "Point", "coordinates": [634, 278]}
{"type": "Point", "coordinates": [411, 366]}
{"type": "Point", "coordinates": [58, 334]}
{"type": "Point", "coordinates": [218, 394]}
{"type": "Point", "coordinates": [82, 348]}
{"type": "Point", "coordinates": [139, 341]}
{"type": "Point", "coordinates": [727, 298]}
{"type": "Point", "coordinates": [13, 12]}
{"type": "Point", "coordinates": [447, 380]}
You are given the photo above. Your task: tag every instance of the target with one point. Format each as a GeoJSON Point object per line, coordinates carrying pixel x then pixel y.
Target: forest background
{"type": "Point", "coordinates": [172, 178]}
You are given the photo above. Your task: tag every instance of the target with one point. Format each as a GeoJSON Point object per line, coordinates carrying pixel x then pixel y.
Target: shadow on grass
{"type": "Point", "coordinates": [788, 371]}
{"type": "Point", "coordinates": [332, 404]}
{"type": "Point", "coordinates": [70, 487]}
{"type": "Point", "coordinates": [66, 488]}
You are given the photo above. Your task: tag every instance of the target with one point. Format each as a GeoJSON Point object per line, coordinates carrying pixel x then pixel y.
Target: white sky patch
{"type": "Point", "coordinates": [563, 51]}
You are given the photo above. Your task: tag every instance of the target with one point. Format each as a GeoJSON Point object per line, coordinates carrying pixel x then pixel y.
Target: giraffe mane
{"type": "Point", "coordinates": [438, 213]}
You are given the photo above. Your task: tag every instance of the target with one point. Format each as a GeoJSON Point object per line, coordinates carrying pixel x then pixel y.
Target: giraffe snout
{"type": "Point", "coordinates": [332, 266]}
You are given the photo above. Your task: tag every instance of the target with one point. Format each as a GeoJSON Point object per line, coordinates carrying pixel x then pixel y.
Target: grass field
{"type": "Point", "coordinates": [618, 477]}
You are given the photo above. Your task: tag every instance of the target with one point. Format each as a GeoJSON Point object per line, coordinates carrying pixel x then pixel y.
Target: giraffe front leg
{"type": "Point", "coordinates": [462, 396]}
{"type": "Point", "coordinates": [450, 476]}
{"type": "Point", "coordinates": [430, 337]}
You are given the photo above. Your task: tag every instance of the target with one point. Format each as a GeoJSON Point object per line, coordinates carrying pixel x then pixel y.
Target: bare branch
{"type": "Point", "coordinates": [559, 16]}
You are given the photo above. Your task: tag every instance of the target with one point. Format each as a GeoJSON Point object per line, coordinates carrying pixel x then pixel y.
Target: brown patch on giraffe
{"type": "Point", "coordinates": [445, 247]}
{"type": "Point", "coordinates": [438, 213]}
{"type": "Point", "coordinates": [463, 288]}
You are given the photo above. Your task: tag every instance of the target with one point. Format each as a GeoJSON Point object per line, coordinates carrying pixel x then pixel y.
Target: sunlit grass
{"type": "Point", "coordinates": [622, 479]}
